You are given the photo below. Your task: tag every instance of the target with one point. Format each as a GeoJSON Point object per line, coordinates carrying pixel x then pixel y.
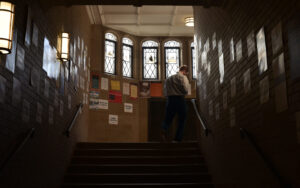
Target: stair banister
{"type": "Point", "coordinates": [78, 111]}
{"type": "Point", "coordinates": [206, 130]}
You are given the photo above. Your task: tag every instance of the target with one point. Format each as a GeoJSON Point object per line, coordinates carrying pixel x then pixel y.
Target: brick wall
{"type": "Point", "coordinates": [43, 160]}
{"type": "Point", "coordinates": [232, 161]}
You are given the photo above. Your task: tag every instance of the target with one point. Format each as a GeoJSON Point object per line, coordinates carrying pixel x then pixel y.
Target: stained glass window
{"type": "Point", "coordinates": [150, 60]}
{"type": "Point", "coordinates": [172, 57]}
{"type": "Point", "coordinates": [110, 53]}
{"type": "Point", "coordinates": [194, 65]}
{"type": "Point", "coordinates": [127, 57]}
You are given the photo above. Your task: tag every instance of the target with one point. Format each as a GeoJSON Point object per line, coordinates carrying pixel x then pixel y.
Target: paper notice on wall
{"type": "Point", "coordinates": [25, 111]}
{"type": "Point", "coordinates": [113, 119]}
{"type": "Point", "coordinates": [144, 89]}
{"type": "Point", "coordinates": [133, 91]}
{"type": "Point", "coordinates": [217, 110]}
{"type": "Point", "coordinates": [278, 66]}
{"type": "Point", "coordinates": [20, 57]}
{"type": "Point", "coordinates": [61, 108]}
{"type": "Point", "coordinates": [128, 107]}
{"type": "Point", "coordinates": [264, 90]}
{"type": "Point", "coordinates": [94, 95]}
{"type": "Point", "coordinates": [232, 117]}
{"type": "Point", "coordinates": [126, 90]}
{"type": "Point", "coordinates": [51, 113]}
{"type": "Point", "coordinates": [298, 126]}
{"type": "Point", "coordinates": [233, 87]}
{"type": "Point", "coordinates": [17, 93]}
{"type": "Point", "coordinates": [56, 98]}
{"type": "Point", "coordinates": [211, 108]}
{"type": "Point", "coordinates": [225, 96]}
{"type": "Point", "coordinates": [281, 97]}
{"type": "Point", "coordinates": [277, 38]}
{"type": "Point", "coordinates": [115, 85]}
{"type": "Point", "coordinates": [69, 102]}
{"type": "Point", "coordinates": [104, 84]}
{"type": "Point", "coordinates": [251, 43]}
{"type": "Point", "coordinates": [103, 104]}
{"type": "Point", "coordinates": [262, 51]}
{"type": "Point", "coordinates": [39, 113]}
{"type": "Point", "coordinates": [46, 89]}
{"type": "Point", "coordinates": [96, 104]}
{"type": "Point", "coordinates": [247, 81]}
{"type": "Point", "coordinates": [35, 35]}
{"type": "Point", "coordinates": [189, 89]}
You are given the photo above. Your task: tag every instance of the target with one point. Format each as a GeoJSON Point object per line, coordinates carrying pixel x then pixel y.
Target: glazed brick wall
{"type": "Point", "coordinates": [232, 161]}
{"type": "Point", "coordinates": [43, 159]}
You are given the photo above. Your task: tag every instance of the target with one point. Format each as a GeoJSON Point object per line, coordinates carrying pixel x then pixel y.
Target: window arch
{"type": "Point", "coordinates": [110, 53]}
{"type": "Point", "coordinates": [194, 65]}
{"type": "Point", "coordinates": [172, 57]}
{"type": "Point", "coordinates": [150, 60]}
{"type": "Point", "coordinates": [127, 57]}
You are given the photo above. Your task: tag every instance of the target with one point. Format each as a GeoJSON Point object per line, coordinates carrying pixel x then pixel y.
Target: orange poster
{"type": "Point", "coordinates": [156, 90]}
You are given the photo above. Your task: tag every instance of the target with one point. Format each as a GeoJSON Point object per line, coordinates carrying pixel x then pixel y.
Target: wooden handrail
{"type": "Point", "coordinates": [29, 135]}
{"type": "Point", "coordinates": [245, 134]}
{"type": "Point", "coordinates": [206, 130]}
{"type": "Point", "coordinates": [78, 111]}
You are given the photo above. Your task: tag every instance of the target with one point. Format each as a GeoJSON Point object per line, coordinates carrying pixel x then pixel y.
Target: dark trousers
{"type": "Point", "coordinates": [175, 105]}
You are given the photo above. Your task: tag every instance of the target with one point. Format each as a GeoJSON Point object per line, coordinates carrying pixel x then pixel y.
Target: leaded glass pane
{"type": "Point", "coordinates": [172, 61]}
{"type": "Point", "coordinates": [150, 63]}
{"type": "Point", "coordinates": [127, 61]}
{"type": "Point", "coordinates": [150, 43]}
{"type": "Point", "coordinates": [172, 44]}
{"type": "Point", "coordinates": [110, 53]}
{"type": "Point", "coordinates": [127, 41]}
{"type": "Point", "coordinates": [110, 36]}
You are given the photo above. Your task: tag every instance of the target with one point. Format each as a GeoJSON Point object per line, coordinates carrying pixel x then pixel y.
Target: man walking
{"type": "Point", "coordinates": [175, 88]}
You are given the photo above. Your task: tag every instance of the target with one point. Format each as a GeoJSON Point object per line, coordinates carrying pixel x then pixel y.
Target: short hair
{"type": "Point", "coordinates": [184, 68]}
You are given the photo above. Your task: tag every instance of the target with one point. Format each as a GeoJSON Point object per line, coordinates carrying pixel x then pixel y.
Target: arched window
{"type": "Point", "coordinates": [172, 57]}
{"type": "Point", "coordinates": [127, 57]}
{"type": "Point", "coordinates": [150, 60]}
{"type": "Point", "coordinates": [110, 53]}
{"type": "Point", "coordinates": [194, 65]}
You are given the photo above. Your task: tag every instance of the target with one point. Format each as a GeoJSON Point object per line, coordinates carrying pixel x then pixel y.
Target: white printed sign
{"type": "Point", "coordinates": [113, 119]}
{"type": "Point", "coordinates": [104, 83]}
{"type": "Point", "coordinates": [126, 89]}
{"type": "Point", "coordinates": [128, 107]}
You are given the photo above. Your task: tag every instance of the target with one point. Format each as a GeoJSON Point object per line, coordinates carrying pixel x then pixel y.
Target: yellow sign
{"type": "Point", "coordinates": [133, 91]}
{"type": "Point", "coordinates": [115, 85]}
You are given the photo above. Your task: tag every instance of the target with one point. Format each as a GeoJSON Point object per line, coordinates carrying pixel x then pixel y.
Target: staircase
{"type": "Point", "coordinates": [137, 165]}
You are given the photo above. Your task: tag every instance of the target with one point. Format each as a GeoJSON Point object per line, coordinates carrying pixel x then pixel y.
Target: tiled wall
{"type": "Point", "coordinates": [263, 101]}
{"type": "Point", "coordinates": [27, 102]}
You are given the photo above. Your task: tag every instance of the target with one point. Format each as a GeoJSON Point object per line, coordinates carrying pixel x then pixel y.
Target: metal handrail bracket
{"type": "Point", "coordinates": [206, 130]}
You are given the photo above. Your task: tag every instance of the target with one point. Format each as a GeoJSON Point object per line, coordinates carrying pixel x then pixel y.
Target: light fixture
{"type": "Point", "coordinates": [6, 26]}
{"type": "Point", "coordinates": [189, 21]}
{"type": "Point", "coordinates": [65, 47]}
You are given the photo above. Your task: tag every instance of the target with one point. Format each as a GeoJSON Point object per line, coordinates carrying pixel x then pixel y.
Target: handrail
{"type": "Point", "coordinates": [206, 130]}
{"type": "Point", "coordinates": [245, 134]}
{"type": "Point", "coordinates": [78, 111]}
{"type": "Point", "coordinates": [18, 148]}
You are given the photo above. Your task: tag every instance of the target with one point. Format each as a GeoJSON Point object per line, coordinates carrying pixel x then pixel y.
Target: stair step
{"type": "Point", "coordinates": [136, 168]}
{"type": "Point", "coordinates": [139, 185]}
{"type": "Point", "coordinates": [151, 145]}
{"type": "Point", "coordinates": [137, 159]}
{"type": "Point", "coordinates": [139, 178]}
{"type": "Point", "coordinates": [126, 152]}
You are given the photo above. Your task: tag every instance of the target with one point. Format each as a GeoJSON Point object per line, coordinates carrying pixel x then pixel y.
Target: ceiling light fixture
{"type": "Point", "coordinates": [189, 21]}
{"type": "Point", "coordinates": [6, 26]}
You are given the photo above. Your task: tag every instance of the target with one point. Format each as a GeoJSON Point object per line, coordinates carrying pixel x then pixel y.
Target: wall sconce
{"type": "Point", "coordinates": [7, 14]}
{"type": "Point", "coordinates": [64, 47]}
{"type": "Point", "coordinates": [189, 21]}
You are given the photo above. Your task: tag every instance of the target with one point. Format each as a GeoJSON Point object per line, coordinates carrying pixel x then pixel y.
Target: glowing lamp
{"type": "Point", "coordinates": [65, 47]}
{"type": "Point", "coordinates": [6, 26]}
{"type": "Point", "coordinates": [189, 21]}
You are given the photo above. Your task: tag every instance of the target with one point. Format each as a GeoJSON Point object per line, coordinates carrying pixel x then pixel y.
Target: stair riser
{"type": "Point", "coordinates": [139, 186]}
{"type": "Point", "coordinates": [136, 169]}
{"type": "Point", "coordinates": [135, 152]}
{"type": "Point", "coordinates": [138, 179]}
{"type": "Point", "coordinates": [186, 160]}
